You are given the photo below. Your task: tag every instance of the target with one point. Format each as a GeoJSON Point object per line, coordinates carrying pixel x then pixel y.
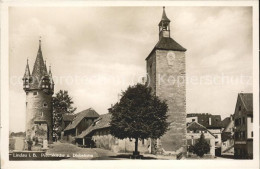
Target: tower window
{"type": "Point", "coordinates": [45, 105]}
{"type": "Point", "coordinates": [35, 93]}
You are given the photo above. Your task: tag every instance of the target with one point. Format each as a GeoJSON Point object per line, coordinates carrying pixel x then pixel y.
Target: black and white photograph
{"type": "Point", "coordinates": [131, 82]}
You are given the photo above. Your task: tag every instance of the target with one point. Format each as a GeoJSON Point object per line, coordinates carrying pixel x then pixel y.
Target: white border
{"type": "Point", "coordinates": [200, 164]}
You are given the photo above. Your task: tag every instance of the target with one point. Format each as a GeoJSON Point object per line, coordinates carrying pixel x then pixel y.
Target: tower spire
{"type": "Point", "coordinates": [39, 68]}
{"type": "Point", "coordinates": [164, 17]}
{"type": "Point", "coordinates": [40, 42]}
{"type": "Point", "coordinates": [164, 26]}
{"type": "Point", "coordinates": [27, 73]}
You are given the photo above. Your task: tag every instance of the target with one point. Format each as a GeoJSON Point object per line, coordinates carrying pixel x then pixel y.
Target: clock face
{"type": "Point", "coordinates": [170, 58]}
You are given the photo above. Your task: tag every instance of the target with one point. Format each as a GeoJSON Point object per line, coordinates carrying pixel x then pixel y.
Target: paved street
{"type": "Point", "coordinates": [73, 152]}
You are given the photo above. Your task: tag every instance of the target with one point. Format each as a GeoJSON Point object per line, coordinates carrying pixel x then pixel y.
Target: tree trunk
{"type": "Point", "coordinates": [136, 146]}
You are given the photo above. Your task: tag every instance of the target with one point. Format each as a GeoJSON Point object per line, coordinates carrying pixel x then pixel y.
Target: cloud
{"type": "Point", "coordinates": [107, 46]}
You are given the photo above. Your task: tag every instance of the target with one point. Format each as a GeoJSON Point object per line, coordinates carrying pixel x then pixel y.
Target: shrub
{"type": "Point", "coordinates": [201, 147]}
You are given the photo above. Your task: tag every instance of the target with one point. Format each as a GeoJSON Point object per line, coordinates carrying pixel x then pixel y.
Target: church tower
{"type": "Point", "coordinates": [39, 88]}
{"type": "Point", "coordinates": [165, 67]}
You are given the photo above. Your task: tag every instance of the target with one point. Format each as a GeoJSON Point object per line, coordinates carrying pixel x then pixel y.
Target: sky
{"type": "Point", "coordinates": [97, 52]}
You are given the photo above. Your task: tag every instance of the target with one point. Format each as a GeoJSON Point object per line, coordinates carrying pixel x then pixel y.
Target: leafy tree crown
{"type": "Point", "coordinates": [139, 114]}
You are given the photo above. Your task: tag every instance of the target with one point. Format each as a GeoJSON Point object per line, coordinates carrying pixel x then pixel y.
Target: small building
{"type": "Point", "coordinates": [243, 119]}
{"type": "Point", "coordinates": [80, 123]}
{"type": "Point", "coordinates": [211, 122]}
{"type": "Point", "coordinates": [227, 136]}
{"type": "Point", "coordinates": [98, 135]}
{"type": "Point", "coordinates": [194, 131]}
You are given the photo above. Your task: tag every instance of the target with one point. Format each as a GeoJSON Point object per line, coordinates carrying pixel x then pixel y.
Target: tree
{"type": "Point", "coordinates": [62, 104]}
{"type": "Point", "coordinates": [201, 147]}
{"type": "Point", "coordinates": [139, 115]}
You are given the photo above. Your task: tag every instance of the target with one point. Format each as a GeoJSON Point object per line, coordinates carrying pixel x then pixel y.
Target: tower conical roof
{"type": "Point", "coordinates": [39, 68]}
{"type": "Point", "coordinates": [50, 75]}
{"type": "Point", "coordinates": [27, 73]}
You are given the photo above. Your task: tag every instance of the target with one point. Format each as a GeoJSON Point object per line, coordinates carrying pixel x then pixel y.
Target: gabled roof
{"type": "Point", "coordinates": [167, 43]}
{"type": "Point", "coordinates": [102, 122]}
{"type": "Point", "coordinates": [68, 117]}
{"type": "Point", "coordinates": [203, 119]}
{"type": "Point", "coordinates": [194, 126]}
{"type": "Point", "coordinates": [89, 113]}
{"type": "Point", "coordinates": [247, 99]}
{"type": "Point", "coordinates": [226, 122]}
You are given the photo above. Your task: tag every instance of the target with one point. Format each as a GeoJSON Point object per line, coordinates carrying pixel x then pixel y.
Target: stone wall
{"type": "Point", "coordinates": [109, 142]}
{"type": "Point", "coordinates": [168, 82]}
{"type": "Point", "coordinates": [36, 110]}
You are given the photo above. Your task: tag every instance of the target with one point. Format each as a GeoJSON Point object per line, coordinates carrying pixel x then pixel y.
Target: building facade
{"type": "Point", "coordinates": [39, 88]}
{"type": "Point", "coordinates": [212, 122]}
{"type": "Point", "coordinates": [98, 135]}
{"type": "Point", "coordinates": [227, 136]}
{"type": "Point", "coordinates": [243, 119]}
{"type": "Point", "coordinates": [166, 71]}
{"type": "Point", "coordinates": [80, 123]}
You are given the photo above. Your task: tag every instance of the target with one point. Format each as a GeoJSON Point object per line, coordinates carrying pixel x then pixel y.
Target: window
{"type": "Point", "coordinates": [27, 93]}
{"type": "Point", "coordinates": [239, 108]}
{"type": "Point", "coordinates": [252, 134]}
{"type": "Point", "coordinates": [142, 141]}
{"type": "Point", "coordinates": [26, 103]}
{"type": "Point", "coordinates": [252, 120]}
{"type": "Point", "coordinates": [193, 120]}
{"type": "Point", "coordinates": [216, 136]}
{"type": "Point", "coordinates": [42, 114]}
{"type": "Point", "coordinates": [45, 105]}
{"type": "Point", "coordinates": [35, 93]}
{"type": "Point", "coordinates": [243, 134]}
{"type": "Point", "coordinates": [244, 120]}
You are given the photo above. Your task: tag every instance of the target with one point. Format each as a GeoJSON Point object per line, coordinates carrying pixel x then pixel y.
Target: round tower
{"type": "Point", "coordinates": [39, 88]}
